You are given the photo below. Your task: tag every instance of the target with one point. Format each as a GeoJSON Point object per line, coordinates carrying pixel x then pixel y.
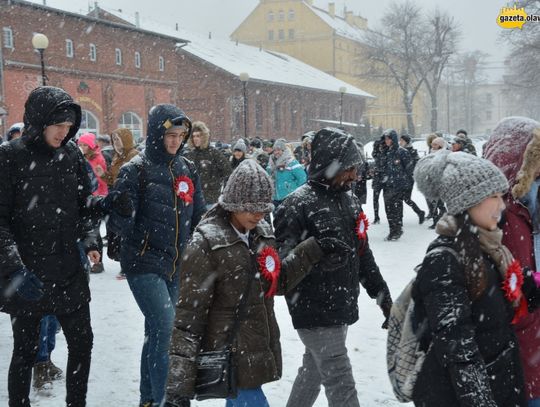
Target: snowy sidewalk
{"type": "Point", "coordinates": [118, 332]}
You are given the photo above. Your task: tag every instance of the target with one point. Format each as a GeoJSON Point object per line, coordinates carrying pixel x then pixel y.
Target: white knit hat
{"type": "Point", "coordinates": [460, 180]}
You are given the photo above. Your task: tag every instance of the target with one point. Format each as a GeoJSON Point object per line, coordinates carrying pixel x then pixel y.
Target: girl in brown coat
{"type": "Point", "coordinates": [231, 246]}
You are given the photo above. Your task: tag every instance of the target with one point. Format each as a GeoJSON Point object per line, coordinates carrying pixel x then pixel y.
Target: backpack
{"type": "Point", "coordinates": [404, 357]}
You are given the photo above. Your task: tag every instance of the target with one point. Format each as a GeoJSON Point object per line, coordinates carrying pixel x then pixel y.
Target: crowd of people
{"type": "Point", "coordinates": [206, 237]}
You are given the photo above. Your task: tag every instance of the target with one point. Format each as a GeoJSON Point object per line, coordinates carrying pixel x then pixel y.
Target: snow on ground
{"type": "Point", "coordinates": [118, 332]}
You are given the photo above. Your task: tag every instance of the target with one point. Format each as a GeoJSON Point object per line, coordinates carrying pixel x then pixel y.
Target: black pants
{"type": "Point", "coordinates": [79, 338]}
{"type": "Point", "coordinates": [406, 197]}
{"type": "Point", "coordinates": [393, 204]}
{"type": "Point", "coordinates": [376, 193]}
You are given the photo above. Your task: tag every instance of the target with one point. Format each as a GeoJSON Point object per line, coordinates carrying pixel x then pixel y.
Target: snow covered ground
{"type": "Point", "coordinates": [118, 332]}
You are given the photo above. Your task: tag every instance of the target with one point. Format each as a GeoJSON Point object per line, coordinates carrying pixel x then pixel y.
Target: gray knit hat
{"type": "Point", "coordinates": [280, 144]}
{"type": "Point", "coordinates": [249, 189]}
{"type": "Point", "coordinates": [240, 145]}
{"type": "Point", "coordinates": [460, 180]}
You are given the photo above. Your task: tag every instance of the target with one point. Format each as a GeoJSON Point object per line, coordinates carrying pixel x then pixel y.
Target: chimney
{"type": "Point", "coordinates": [137, 20]}
{"type": "Point", "coordinates": [332, 9]}
{"type": "Point", "coordinates": [176, 26]}
{"type": "Point", "coordinates": [210, 35]}
{"type": "Point", "coordinates": [360, 22]}
{"type": "Point", "coordinates": [349, 17]}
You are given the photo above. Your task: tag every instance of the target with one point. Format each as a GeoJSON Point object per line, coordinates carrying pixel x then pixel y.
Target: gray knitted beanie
{"type": "Point", "coordinates": [249, 189]}
{"type": "Point", "coordinates": [240, 145]}
{"type": "Point", "coordinates": [460, 180]}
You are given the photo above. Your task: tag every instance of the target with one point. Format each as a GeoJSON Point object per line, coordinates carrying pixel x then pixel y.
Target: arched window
{"type": "Point", "coordinates": [89, 123]}
{"type": "Point", "coordinates": [270, 16]}
{"type": "Point", "coordinates": [131, 121]}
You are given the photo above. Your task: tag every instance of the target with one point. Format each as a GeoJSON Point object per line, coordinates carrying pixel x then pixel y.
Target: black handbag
{"type": "Point", "coordinates": [216, 370]}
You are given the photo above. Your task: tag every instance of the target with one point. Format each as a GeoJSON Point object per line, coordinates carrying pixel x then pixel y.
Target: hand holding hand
{"type": "Point", "coordinates": [94, 256]}
{"type": "Point", "coordinates": [385, 303]}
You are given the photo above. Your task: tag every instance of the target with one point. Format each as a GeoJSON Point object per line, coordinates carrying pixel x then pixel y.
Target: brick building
{"type": "Point", "coordinates": [118, 69]}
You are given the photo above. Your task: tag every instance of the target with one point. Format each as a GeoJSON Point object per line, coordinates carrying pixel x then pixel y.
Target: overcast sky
{"type": "Point", "coordinates": [477, 19]}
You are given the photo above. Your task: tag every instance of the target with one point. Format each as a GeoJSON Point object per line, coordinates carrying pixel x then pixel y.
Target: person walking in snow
{"type": "Point", "coordinates": [46, 208]}
{"type": "Point", "coordinates": [468, 290]}
{"type": "Point", "coordinates": [165, 204]}
{"type": "Point", "coordinates": [287, 173]}
{"type": "Point", "coordinates": [462, 142]}
{"type": "Point", "coordinates": [222, 262]}
{"type": "Point", "coordinates": [212, 166]}
{"type": "Point", "coordinates": [438, 209]}
{"type": "Point", "coordinates": [405, 142]}
{"type": "Point", "coordinates": [239, 151]}
{"type": "Point", "coordinates": [325, 302]}
{"type": "Point", "coordinates": [514, 147]}
{"type": "Point", "coordinates": [378, 154]}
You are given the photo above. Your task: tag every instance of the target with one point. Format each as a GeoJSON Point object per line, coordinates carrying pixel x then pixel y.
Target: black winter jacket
{"type": "Point", "coordinates": [44, 211]}
{"type": "Point", "coordinates": [328, 296]}
{"type": "Point", "coordinates": [398, 167]}
{"type": "Point", "coordinates": [154, 237]}
{"type": "Point", "coordinates": [472, 355]}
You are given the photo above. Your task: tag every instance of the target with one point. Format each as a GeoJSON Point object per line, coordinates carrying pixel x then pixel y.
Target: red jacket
{"type": "Point", "coordinates": [97, 160]}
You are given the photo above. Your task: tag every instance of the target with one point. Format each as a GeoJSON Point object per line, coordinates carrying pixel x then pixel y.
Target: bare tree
{"type": "Point", "coordinates": [396, 49]}
{"type": "Point", "coordinates": [440, 44]}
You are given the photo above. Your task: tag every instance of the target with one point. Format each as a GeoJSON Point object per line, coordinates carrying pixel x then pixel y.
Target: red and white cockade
{"type": "Point", "coordinates": [270, 266]}
{"type": "Point", "coordinates": [512, 285]}
{"type": "Point", "coordinates": [184, 189]}
{"type": "Point", "coordinates": [362, 225]}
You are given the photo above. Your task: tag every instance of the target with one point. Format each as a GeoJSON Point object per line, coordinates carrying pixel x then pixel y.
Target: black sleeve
{"type": "Point", "coordinates": [370, 275]}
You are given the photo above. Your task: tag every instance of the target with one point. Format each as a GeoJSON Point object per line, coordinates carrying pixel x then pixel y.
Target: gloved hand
{"type": "Point", "coordinates": [331, 245]}
{"type": "Point", "coordinates": [384, 300]}
{"type": "Point", "coordinates": [122, 204]}
{"type": "Point", "coordinates": [181, 402]}
{"type": "Point", "coordinates": [27, 285]}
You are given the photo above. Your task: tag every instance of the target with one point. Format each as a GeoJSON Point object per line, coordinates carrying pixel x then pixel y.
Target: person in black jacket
{"type": "Point", "coordinates": [405, 142]}
{"type": "Point", "coordinates": [325, 302]}
{"type": "Point", "coordinates": [397, 170]}
{"type": "Point", "coordinates": [167, 203]}
{"type": "Point", "coordinates": [44, 212]}
{"type": "Point", "coordinates": [378, 154]}
{"type": "Point", "coordinates": [468, 291]}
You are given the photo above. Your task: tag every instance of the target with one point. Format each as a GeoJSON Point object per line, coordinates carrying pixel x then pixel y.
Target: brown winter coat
{"type": "Point", "coordinates": [120, 159]}
{"type": "Point", "coordinates": [216, 268]}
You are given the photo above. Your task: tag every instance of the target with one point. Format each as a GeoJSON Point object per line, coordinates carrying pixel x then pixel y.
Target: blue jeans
{"type": "Point", "coordinates": [47, 338]}
{"type": "Point", "coordinates": [156, 298]}
{"type": "Point", "coordinates": [248, 398]}
{"type": "Point", "coordinates": [534, 403]}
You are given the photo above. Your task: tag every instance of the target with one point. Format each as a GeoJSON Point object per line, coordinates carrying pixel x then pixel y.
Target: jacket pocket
{"type": "Point", "coordinates": [145, 244]}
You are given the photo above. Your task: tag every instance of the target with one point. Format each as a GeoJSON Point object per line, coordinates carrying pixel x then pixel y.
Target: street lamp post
{"type": "Point", "coordinates": [244, 78]}
{"type": "Point", "coordinates": [40, 42]}
{"type": "Point", "coordinates": [342, 91]}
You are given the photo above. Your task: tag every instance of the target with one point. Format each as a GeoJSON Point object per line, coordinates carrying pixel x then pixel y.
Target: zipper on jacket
{"type": "Point", "coordinates": [145, 245]}
{"type": "Point", "coordinates": [177, 228]}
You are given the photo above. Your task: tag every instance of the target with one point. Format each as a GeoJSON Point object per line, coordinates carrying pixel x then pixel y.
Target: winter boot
{"type": "Point", "coordinates": [394, 235]}
{"type": "Point", "coordinates": [41, 375]}
{"type": "Point", "coordinates": [97, 268]}
{"type": "Point", "coordinates": [377, 220]}
{"type": "Point", "coordinates": [421, 217]}
{"type": "Point", "coordinates": [146, 404]}
{"type": "Point", "coordinates": [54, 372]}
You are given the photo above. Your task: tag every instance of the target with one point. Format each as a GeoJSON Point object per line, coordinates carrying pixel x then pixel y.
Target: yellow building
{"type": "Point", "coordinates": [331, 43]}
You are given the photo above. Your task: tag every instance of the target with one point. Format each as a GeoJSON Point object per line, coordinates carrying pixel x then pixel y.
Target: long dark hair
{"type": "Point", "coordinates": [468, 246]}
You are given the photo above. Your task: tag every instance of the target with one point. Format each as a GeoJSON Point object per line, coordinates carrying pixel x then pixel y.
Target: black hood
{"type": "Point", "coordinates": [332, 151]}
{"type": "Point", "coordinates": [158, 118]}
{"type": "Point", "coordinates": [41, 105]}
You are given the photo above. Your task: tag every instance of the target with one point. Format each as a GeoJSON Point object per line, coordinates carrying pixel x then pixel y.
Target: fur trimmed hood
{"type": "Point", "coordinates": [514, 147]}
{"type": "Point", "coordinates": [205, 135]}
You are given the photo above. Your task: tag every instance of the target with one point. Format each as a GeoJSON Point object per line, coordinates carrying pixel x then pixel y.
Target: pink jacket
{"type": "Point", "coordinates": [97, 160]}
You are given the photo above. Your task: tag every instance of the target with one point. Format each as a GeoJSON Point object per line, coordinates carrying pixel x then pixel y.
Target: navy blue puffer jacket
{"type": "Point", "coordinates": [154, 237]}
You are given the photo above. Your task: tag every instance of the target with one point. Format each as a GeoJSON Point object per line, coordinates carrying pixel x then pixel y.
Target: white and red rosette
{"type": "Point", "coordinates": [362, 225]}
{"type": "Point", "coordinates": [270, 266]}
{"type": "Point", "coordinates": [512, 285]}
{"type": "Point", "coordinates": [184, 189]}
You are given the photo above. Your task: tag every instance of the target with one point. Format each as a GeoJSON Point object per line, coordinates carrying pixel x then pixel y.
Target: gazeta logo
{"type": "Point", "coordinates": [514, 17]}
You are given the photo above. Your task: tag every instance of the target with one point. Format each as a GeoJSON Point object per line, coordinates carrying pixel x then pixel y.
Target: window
{"type": "Point", "coordinates": [8, 37]}
{"type": "Point", "coordinates": [291, 15]}
{"type": "Point", "coordinates": [118, 56]}
{"type": "Point", "coordinates": [277, 116]}
{"type": "Point", "coordinates": [258, 116]}
{"type": "Point", "coordinates": [281, 35]}
{"type": "Point", "coordinates": [161, 64]}
{"type": "Point", "coordinates": [281, 15]}
{"type": "Point", "coordinates": [89, 123]}
{"type": "Point", "coordinates": [131, 121]}
{"type": "Point", "coordinates": [137, 59]}
{"type": "Point", "coordinates": [69, 48]}
{"type": "Point", "coordinates": [291, 34]}
{"type": "Point", "coordinates": [93, 52]}
{"type": "Point", "coordinates": [489, 99]}
{"type": "Point", "coordinates": [270, 35]}
{"type": "Point", "coordinates": [270, 16]}
{"type": "Point", "coordinates": [489, 115]}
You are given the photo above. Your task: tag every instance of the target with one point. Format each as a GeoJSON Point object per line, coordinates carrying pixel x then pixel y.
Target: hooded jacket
{"type": "Point", "coordinates": [43, 210]}
{"type": "Point", "coordinates": [154, 237]}
{"type": "Point", "coordinates": [398, 167]}
{"type": "Point", "coordinates": [120, 159]}
{"type": "Point", "coordinates": [514, 147]}
{"type": "Point", "coordinates": [288, 174]}
{"type": "Point", "coordinates": [328, 296]}
{"type": "Point", "coordinates": [212, 166]}
{"type": "Point", "coordinates": [96, 159]}
{"type": "Point", "coordinates": [218, 267]}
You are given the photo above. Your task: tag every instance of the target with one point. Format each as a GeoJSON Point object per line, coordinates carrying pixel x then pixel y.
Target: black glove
{"type": "Point", "coordinates": [27, 285]}
{"type": "Point", "coordinates": [384, 300]}
{"type": "Point", "coordinates": [331, 245]}
{"type": "Point", "coordinates": [181, 402]}
{"type": "Point", "coordinates": [122, 204]}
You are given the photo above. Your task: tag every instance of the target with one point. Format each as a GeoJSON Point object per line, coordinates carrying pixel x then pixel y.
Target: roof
{"type": "Point", "coordinates": [260, 64]}
{"type": "Point", "coordinates": [339, 24]}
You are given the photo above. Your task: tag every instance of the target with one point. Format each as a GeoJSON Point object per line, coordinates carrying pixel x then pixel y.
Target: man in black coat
{"type": "Point", "coordinates": [45, 215]}
{"type": "Point", "coordinates": [325, 302]}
